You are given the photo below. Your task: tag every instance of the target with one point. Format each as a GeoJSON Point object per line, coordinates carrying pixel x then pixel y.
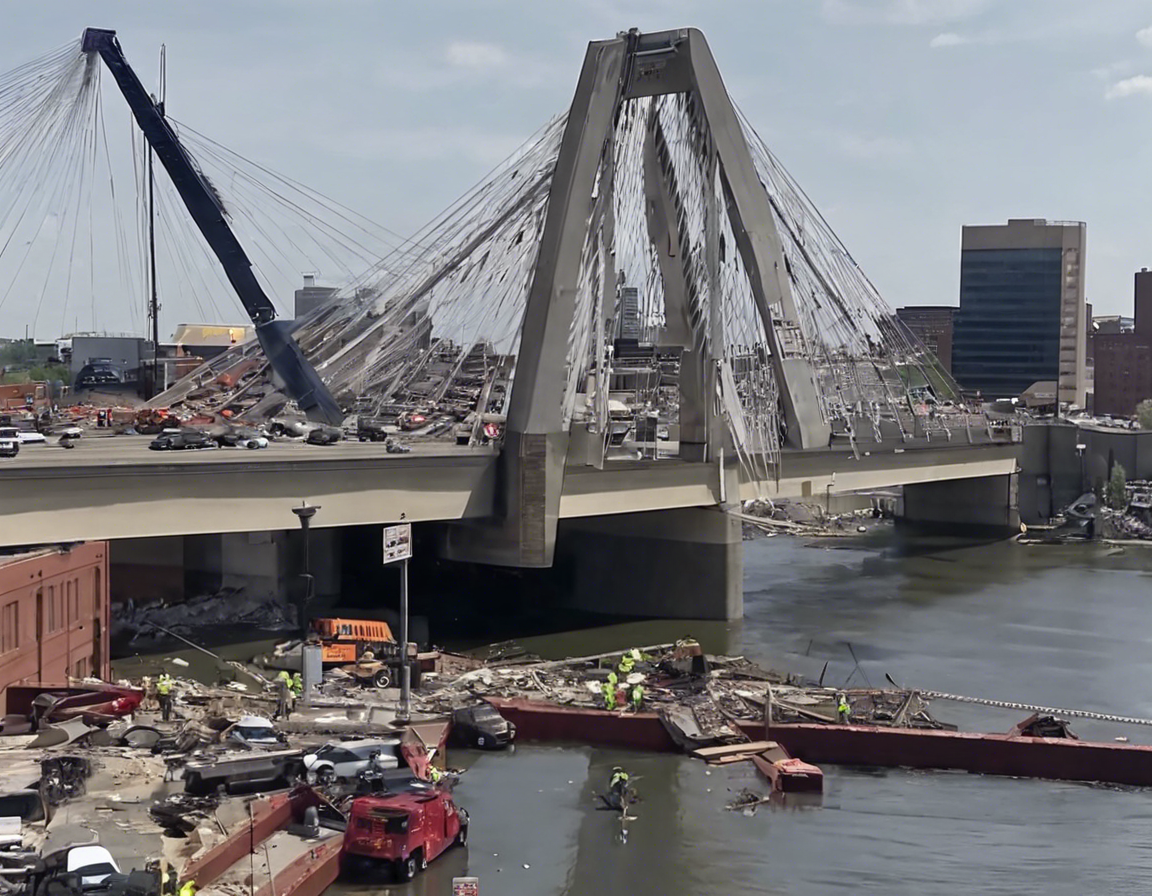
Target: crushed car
{"type": "Point", "coordinates": [481, 726]}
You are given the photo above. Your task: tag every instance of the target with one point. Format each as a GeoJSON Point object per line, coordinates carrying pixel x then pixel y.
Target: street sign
{"type": "Point", "coordinates": [465, 886]}
{"type": "Point", "coordinates": [397, 542]}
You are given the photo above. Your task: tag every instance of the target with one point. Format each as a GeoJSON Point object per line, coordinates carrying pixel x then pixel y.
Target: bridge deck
{"type": "Point", "coordinates": [117, 488]}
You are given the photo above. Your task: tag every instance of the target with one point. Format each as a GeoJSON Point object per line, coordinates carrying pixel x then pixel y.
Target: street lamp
{"type": "Point", "coordinates": [305, 512]}
{"type": "Point", "coordinates": [1080, 449]}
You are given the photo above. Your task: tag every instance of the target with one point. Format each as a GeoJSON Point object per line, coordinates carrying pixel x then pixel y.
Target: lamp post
{"type": "Point", "coordinates": [1080, 449]}
{"type": "Point", "coordinates": [304, 513]}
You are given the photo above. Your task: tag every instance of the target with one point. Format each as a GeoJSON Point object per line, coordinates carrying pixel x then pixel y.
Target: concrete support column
{"type": "Point", "coordinates": [262, 563]}
{"type": "Point", "coordinates": [685, 564]}
{"type": "Point", "coordinates": [986, 504]}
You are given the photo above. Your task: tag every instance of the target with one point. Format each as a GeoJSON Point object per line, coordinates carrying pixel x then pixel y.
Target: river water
{"type": "Point", "coordinates": [1066, 627]}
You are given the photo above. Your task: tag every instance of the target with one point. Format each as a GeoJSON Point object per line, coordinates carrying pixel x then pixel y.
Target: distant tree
{"type": "Point", "coordinates": [19, 351]}
{"type": "Point", "coordinates": [1115, 490]}
{"type": "Point", "coordinates": [1144, 413]}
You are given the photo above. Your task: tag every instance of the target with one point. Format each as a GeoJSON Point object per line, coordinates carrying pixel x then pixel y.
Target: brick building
{"type": "Point", "coordinates": [54, 614]}
{"type": "Point", "coordinates": [1124, 360]}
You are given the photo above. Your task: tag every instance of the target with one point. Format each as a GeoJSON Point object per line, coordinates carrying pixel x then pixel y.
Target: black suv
{"type": "Point", "coordinates": [177, 441]}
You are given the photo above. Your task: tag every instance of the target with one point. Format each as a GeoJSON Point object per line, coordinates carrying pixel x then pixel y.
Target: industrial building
{"type": "Point", "coordinates": [1022, 316]}
{"type": "Point", "coordinates": [1123, 358]}
{"type": "Point", "coordinates": [933, 326]}
{"type": "Point", "coordinates": [54, 614]}
{"type": "Point", "coordinates": [311, 296]}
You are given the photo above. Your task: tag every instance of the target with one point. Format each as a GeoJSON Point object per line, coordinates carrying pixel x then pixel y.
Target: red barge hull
{"type": "Point", "coordinates": [1055, 758]}
{"type": "Point", "coordinates": [1060, 759]}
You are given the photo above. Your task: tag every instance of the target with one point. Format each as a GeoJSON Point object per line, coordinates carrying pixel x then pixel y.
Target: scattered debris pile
{"type": "Point", "coordinates": [229, 606]}
{"type": "Point", "coordinates": [1123, 525]}
{"type": "Point", "coordinates": [764, 516]}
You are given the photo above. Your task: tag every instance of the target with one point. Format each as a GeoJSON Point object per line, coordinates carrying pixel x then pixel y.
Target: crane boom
{"type": "Point", "coordinates": [296, 376]}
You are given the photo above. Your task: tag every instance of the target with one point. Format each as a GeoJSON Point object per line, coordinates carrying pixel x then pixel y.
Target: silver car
{"type": "Point", "coordinates": [346, 759]}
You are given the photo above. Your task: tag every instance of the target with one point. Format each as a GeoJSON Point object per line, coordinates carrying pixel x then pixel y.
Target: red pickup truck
{"type": "Point", "coordinates": [405, 830]}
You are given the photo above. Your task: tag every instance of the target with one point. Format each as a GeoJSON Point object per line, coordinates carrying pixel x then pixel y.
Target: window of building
{"type": "Point", "coordinates": [76, 600]}
{"type": "Point", "coordinates": [51, 624]}
{"type": "Point", "coordinates": [10, 627]}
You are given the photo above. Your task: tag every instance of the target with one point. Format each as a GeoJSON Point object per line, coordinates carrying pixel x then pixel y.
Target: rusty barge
{"type": "Point", "coordinates": [1012, 754]}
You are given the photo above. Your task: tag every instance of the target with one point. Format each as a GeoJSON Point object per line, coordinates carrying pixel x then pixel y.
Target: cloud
{"type": "Point", "coordinates": [1113, 70]}
{"type": "Point", "coordinates": [1139, 84]}
{"type": "Point", "coordinates": [948, 39]}
{"type": "Point", "coordinates": [1144, 36]}
{"type": "Point", "coordinates": [899, 12]}
{"type": "Point", "coordinates": [475, 56]}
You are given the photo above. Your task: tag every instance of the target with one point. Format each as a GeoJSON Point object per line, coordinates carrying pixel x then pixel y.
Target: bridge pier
{"type": "Point", "coordinates": [985, 504]}
{"type": "Point", "coordinates": [683, 564]}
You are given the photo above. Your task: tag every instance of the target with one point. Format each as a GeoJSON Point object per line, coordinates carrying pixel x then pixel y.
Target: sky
{"type": "Point", "coordinates": [902, 119]}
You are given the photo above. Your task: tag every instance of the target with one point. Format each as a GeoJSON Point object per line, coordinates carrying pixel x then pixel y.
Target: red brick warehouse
{"type": "Point", "coordinates": [54, 614]}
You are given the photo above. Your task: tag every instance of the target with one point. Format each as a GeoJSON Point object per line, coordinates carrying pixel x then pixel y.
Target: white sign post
{"type": "Point", "coordinates": [398, 547]}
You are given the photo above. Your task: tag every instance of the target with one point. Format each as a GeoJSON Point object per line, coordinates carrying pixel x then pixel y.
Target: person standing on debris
{"type": "Point", "coordinates": [610, 691]}
{"type": "Point", "coordinates": [188, 888]}
{"type": "Point", "coordinates": [434, 774]}
{"type": "Point", "coordinates": [164, 695]}
{"type": "Point", "coordinates": [283, 696]}
{"type": "Point", "coordinates": [843, 710]}
{"type": "Point", "coordinates": [297, 685]}
{"type": "Point", "coordinates": [637, 697]}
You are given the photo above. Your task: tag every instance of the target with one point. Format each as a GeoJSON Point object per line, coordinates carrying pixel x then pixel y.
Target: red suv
{"type": "Point", "coordinates": [406, 830]}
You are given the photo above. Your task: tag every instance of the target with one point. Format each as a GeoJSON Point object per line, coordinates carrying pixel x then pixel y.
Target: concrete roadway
{"type": "Point", "coordinates": [115, 487]}
{"type": "Point", "coordinates": [133, 450]}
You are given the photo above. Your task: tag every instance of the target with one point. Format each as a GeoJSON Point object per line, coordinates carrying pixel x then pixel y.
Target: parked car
{"type": "Point", "coordinates": [324, 435]}
{"type": "Point", "coordinates": [179, 441]}
{"type": "Point", "coordinates": [346, 759]}
{"type": "Point", "coordinates": [253, 731]}
{"type": "Point", "coordinates": [404, 830]}
{"type": "Point", "coordinates": [371, 429]}
{"type": "Point", "coordinates": [9, 441]}
{"type": "Point", "coordinates": [481, 726]}
{"type": "Point", "coordinates": [242, 440]}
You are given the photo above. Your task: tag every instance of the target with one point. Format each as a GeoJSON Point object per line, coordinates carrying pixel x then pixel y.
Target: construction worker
{"type": "Point", "coordinates": [283, 686]}
{"type": "Point", "coordinates": [610, 690]}
{"type": "Point", "coordinates": [164, 694]}
{"type": "Point", "coordinates": [619, 780]}
{"type": "Point", "coordinates": [188, 888]}
{"type": "Point", "coordinates": [637, 697]}
{"type": "Point", "coordinates": [434, 774]}
{"type": "Point", "coordinates": [843, 710]}
{"type": "Point", "coordinates": [627, 662]}
{"type": "Point", "coordinates": [297, 685]}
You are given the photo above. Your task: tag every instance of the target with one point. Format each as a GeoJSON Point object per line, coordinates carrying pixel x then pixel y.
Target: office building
{"type": "Point", "coordinates": [932, 325]}
{"type": "Point", "coordinates": [1022, 309]}
{"type": "Point", "coordinates": [1123, 358]}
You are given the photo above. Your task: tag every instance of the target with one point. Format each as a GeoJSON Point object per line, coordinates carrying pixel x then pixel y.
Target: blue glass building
{"type": "Point", "coordinates": [1021, 309]}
